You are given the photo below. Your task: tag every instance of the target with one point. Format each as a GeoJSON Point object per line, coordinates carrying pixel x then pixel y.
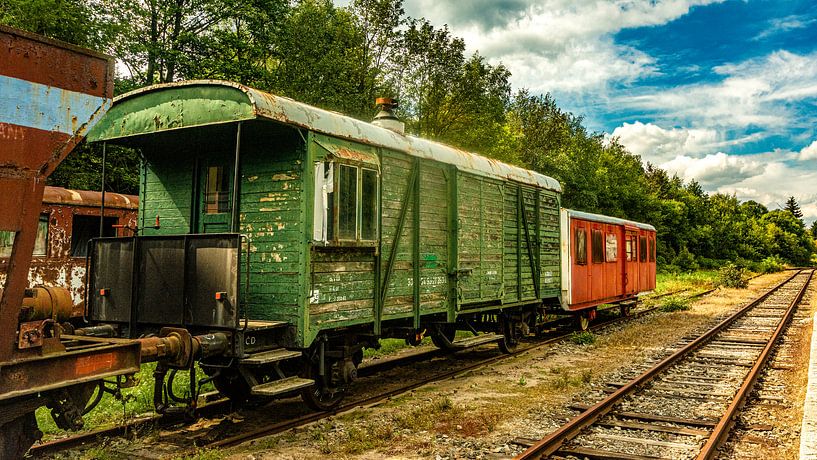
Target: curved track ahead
{"type": "Point", "coordinates": [684, 406]}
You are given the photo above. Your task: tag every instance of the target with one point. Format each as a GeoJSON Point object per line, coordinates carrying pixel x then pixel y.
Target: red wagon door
{"type": "Point", "coordinates": [631, 261]}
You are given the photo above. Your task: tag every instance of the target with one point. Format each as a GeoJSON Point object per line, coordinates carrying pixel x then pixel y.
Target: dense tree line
{"type": "Point", "coordinates": [343, 58]}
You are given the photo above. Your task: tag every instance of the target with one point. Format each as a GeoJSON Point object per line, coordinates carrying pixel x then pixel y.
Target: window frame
{"type": "Point", "coordinates": [652, 248]}
{"type": "Point", "coordinates": [642, 248]}
{"type": "Point", "coordinates": [45, 217]}
{"type": "Point", "coordinates": [576, 254]}
{"type": "Point", "coordinates": [360, 168]}
{"type": "Point", "coordinates": [607, 236]}
{"type": "Point", "coordinates": [597, 246]}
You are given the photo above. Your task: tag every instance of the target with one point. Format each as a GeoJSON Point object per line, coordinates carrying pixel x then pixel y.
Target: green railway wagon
{"type": "Point", "coordinates": [304, 235]}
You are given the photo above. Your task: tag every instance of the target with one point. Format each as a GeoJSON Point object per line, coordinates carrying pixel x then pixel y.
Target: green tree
{"type": "Point", "coordinates": [73, 21]}
{"type": "Point", "coordinates": [793, 207]}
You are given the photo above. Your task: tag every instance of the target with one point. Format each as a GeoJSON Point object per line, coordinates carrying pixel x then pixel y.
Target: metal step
{"type": "Point", "coordinates": [475, 341]}
{"type": "Point", "coordinates": [278, 387]}
{"type": "Point", "coordinates": [269, 357]}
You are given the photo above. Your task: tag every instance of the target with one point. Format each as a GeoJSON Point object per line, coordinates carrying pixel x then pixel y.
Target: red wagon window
{"type": "Point", "coordinates": [611, 248]}
{"type": "Point", "coordinates": [581, 246]}
{"type": "Point", "coordinates": [652, 249]}
{"type": "Point", "coordinates": [643, 249]}
{"type": "Point", "coordinates": [598, 247]}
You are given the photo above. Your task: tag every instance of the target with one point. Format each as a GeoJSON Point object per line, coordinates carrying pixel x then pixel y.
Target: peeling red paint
{"type": "Point", "coordinates": [57, 268]}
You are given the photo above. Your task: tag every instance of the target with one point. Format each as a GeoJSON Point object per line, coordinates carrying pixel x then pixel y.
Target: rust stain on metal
{"type": "Point", "coordinates": [57, 266]}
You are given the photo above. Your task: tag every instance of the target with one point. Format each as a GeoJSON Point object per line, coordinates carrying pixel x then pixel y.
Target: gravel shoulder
{"type": "Point", "coordinates": [478, 415]}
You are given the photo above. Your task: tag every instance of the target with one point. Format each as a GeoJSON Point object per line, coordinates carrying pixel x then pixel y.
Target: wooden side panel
{"type": "Point", "coordinates": [433, 257]}
{"type": "Point", "coordinates": [481, 247]}
{"type": "Point", "coordinates": [272, 218]}
{"type": "Point", "coordinates": [396, 174]}
{"type": "Point", "coordinates": [166, 191]}
{"type": "Point", "coordinates": [549, 250]}
{"type": "Point", "coordinates": [511, 259]}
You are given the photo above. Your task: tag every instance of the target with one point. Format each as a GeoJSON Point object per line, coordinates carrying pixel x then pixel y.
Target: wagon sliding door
{"type": "Point", "coordinates": [480, 243]}
{"type": "Point", "coordinates": [630, 261]}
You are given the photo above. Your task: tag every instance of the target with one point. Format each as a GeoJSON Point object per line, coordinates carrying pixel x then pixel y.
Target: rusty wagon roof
{"type": "Point", "coordinates": [204, 102]}
{"type": "Point", "coordinates": [64, 196]}
{"type": "Point", "coordinates": [607, 219]}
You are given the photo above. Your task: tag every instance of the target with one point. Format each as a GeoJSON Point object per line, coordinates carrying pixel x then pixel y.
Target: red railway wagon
{"type": "Point", "coordinates": [605, 260]}
{"type": "Point", "coordinates": [68, 220]}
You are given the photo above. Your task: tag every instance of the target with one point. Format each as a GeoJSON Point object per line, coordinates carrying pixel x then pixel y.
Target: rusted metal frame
{"type": "Point", "coordinates": [551, 443]}
{"type": "Point", "coordinates": [416, 244]}
{"type": "Point", "coordinates": [31, 375]}
{"type": "Point", "coordinates": [18, 267]}
{"type": "Point", "coordinates": [235, 220]}
{"type": "Point", "coordinates": [518, 243]}
{"type": "Point", "coordinates": [534, 270]}
{"type": "Point", "coordinates": [378, 259]}
{"type": "Point", "coordinates": [305, 276]}
{"type": "Point", "coordinates": [102, 201]}
{"type": "Point", "coordinates": [538, 243]}
{"type": "Point", "coordinates": [453, 233]}
{"type": "Point", "coordinates": [720, 432]}
{"type": "Point", "coordinates": [396, 242]}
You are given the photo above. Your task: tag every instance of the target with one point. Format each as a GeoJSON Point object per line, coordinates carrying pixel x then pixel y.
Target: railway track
{"type": "Point", "coordinates": [562, 330]}
{"type": "Point", "coordinates": [682, 407]}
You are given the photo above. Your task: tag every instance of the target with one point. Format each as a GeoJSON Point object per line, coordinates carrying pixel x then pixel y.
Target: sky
{"type": "Point", "coordinates": [723, 92]}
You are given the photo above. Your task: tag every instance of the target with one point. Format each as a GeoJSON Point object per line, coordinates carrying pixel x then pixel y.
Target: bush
{"type": "Point", "coordinates": [732, 276]}
{"type": "Point", "coordinates": [771, 264]}
{"type": "Point", "coordinates": [672, 304]}
{"type": "Point", "coordinates": [685, 261]}
{"type": "Point", "coordinates": [583, 338]}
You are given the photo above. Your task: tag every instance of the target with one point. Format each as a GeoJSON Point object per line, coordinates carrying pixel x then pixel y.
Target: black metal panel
{"type": "Point", "coordinates": [212, 268]}
{"type": "Point", "coordinates": [160, 292]}
{"type": "Point", "coordinates": [176, 280]}
{"type": "Point", "coordinates": [116, 254]}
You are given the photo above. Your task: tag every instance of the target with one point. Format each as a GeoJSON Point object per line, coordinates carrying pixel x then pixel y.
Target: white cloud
{"type": "Point", "coordinates": [716, 170]}
{"type": "Point", "coordinates": [556, 45]}
{"type": "Point", "coordinates": [777, 182]}
{"type": "Point", "coordinates": [809, 152]}
{"type": "Point", "coordinates": [756, 92]}
{"type": "Point", "coordinates": [659, 145]}
{"type": "Point", "coordinates": [786, 24]}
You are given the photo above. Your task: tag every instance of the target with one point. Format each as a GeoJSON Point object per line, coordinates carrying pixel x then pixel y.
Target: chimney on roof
{"type": "Point", "coordinates": [385, 118]}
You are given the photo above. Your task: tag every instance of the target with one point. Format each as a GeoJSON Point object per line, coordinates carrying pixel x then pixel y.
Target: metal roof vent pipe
{"type": "Point", "coordinates": [385, 118]}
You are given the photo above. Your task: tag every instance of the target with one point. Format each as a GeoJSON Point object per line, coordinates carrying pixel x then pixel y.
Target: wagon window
{"type": "Point", "coordinates": [217, 191]}
{"type": "Point", "coordinates": [40, 244]}
{"type": "Point", "coordinates": [652, 249]}
{"type": "Point", "coordinates": [643, 248]}
{"type": "Point", "coordinates": [611, 246]}
{"type": "Point", "coordinates": [86, 227]}
{"type": "Point", "coordinates": [6, 243]}
{"type": "Point", "coordinates": [629, 249]}
{"type": "Point", "coordinates": [598, 247]}
{"type": "Point", "coordinates": [581, 246]}
{"type": "Point", "coordinates": [347, 203]}
{"type": "Point", "coordinates": [368, 211]}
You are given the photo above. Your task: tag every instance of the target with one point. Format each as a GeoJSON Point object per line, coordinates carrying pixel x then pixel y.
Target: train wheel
{"type": "Point", "coordinates": [511, 334]}
{"type": "Point", "coordinates": [18, 435]}
{"type": "Point", "coordinates": [231, 384]}
{"type": "Point", "coordinates": [326, 393]}
{"type": "Point", "coordinates": [584, 321]}
{"type": "Point", "coordinates": [444, 337]}
{"type": "Point", "coordinates": [624, 309]}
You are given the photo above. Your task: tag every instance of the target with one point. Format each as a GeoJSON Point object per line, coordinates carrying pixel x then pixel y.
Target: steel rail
{"type": "Point", "coordinates": [724, 425]}
{"type": "Point", "coordinates": [62, 444]}
{"type": "Point", "coordinates": [551, 443]}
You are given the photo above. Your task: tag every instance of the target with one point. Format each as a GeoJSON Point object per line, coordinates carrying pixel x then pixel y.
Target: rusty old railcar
{"type": "Point", "coordinates": [605, 260]}
{"type": "Point", "coordinates": [305, 236]}
{"type": "Point", "coordinates": [51, 94]}
{"type": "Point", "coordinates": [68, 220]}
